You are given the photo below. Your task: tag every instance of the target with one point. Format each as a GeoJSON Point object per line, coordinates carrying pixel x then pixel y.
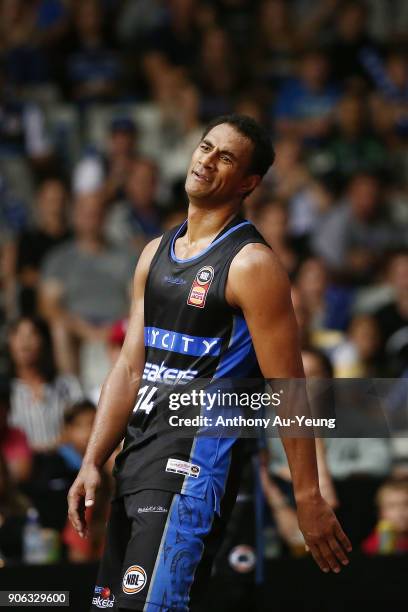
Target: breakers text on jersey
{"type": "Point", "coordinates": [170, 376]}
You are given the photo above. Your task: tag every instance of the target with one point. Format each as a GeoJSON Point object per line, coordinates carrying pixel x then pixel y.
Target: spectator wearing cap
{"type": "Point", "coordinates": [108, 171]}
{"type": "Point", "coordinates": [135, 220]}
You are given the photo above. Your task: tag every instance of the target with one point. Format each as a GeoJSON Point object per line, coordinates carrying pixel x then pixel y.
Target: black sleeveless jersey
{"type": "Point", "coordinates": [190, 333]}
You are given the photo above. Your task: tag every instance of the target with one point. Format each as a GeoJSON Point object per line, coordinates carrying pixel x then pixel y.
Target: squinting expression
{"type": "Point", "coordinates": [218, 170]}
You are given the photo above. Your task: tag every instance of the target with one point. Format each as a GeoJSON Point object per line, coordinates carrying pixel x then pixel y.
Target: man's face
{"type": "Point", "coordinates": [219, 168]}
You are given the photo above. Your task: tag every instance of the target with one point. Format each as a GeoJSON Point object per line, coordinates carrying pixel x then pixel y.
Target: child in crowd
{"type": "Point", "coordinates": [391, 532]}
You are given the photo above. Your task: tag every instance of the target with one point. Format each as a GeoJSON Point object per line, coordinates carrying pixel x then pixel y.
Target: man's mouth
{"type": "Point", "coordinates": [201, 177]}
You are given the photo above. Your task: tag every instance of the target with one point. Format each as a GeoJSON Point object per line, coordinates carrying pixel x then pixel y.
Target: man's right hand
{"type": "Point", "coordinates": [82, 495]}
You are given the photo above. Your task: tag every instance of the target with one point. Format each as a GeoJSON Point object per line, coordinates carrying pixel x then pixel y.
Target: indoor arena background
{"type": "Point", "coordinates": [101, 105]}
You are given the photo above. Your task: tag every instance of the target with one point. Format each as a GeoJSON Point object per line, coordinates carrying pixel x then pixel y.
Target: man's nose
{"type": "Point", "coordinates": [208, 158]}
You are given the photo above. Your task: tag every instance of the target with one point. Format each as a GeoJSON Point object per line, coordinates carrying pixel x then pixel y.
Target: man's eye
{"type": "Point", "coordinates": [225, 158]}
{"type": "Point", "coordinates": [204, 147]}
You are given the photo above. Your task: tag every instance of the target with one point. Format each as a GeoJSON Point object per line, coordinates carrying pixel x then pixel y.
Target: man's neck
{"type": "Point", "coordinates": [205, 223]}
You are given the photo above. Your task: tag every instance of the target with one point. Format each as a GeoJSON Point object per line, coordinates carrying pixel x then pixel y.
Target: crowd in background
{"type": "Point", "coordinates": [101, 105]}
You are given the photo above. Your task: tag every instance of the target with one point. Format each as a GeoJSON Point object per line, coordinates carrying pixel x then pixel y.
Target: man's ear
{"type": "Point", "coordinates": [249, 183]}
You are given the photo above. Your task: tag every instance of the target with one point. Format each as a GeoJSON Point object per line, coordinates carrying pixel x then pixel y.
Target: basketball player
{"type": "Point", "coordinates": [210, 300]}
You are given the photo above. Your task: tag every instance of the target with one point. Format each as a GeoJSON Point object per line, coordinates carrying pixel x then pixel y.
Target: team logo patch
{"type": "Point", "coordinates": [200, 287]}
{"type": "Point", "coordinates": [177, 466]}
{"type": "Point", "coordinates": [103, 597]}
{"type": "Point", "coordinates": [134, 580]}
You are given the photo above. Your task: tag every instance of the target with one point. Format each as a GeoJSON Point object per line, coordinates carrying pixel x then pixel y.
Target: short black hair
{"type": "Point", "coordinates": [76, 409]}
{"type": "Point", "coordinates": [263, 154]}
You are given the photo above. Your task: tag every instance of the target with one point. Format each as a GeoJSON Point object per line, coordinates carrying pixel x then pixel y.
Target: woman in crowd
{"type": "Point", "coordinates": [39, 394]}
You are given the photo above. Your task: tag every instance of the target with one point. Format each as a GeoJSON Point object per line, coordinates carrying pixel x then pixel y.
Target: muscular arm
{"type": "Point", "coordinates": [117, 399]}
{"type": "Point", "coordinates": [258, 286]}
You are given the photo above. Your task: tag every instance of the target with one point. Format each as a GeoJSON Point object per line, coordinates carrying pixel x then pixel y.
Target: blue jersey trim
{"type": "Point", "coordinates": [239, 359]}
{"type": "Point", "coordinates": [208, 248]}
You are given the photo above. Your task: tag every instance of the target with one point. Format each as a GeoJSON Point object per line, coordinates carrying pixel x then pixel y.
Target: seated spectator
{"type": "Point", "coordinates": [277, 41]}
{"type": "Point", "coordinates": [352, 148]}
{"type": "Point", "coordinates": [354, 236]}
{"type": "Point", "coordinates": [351, 42]}
{"type": "Point", "coordinates": [85, 284]}
{"type": "Point", "coordinates": [13, 442]}
{"type": "Point", "coordinates": [359, 356]}
{"type": "Point", "coordinates": [305, 106]}
{"type": "Point", "coordinates": [390, 99]}
{"type": "Point", "coordinates": [38, 393]}
{"type": "Point", "coordinates": [108, 171]}
{"type": "Point", "coordinates": [54, 471]}
{"type": "Point", "coordinates": [272, 222]}
{"type": "Point", "coordinates": [176, 38]}
{"type": "Point", "coordinates": [26, 63]}
{"type": "Point", "coordinates": [13, 509]}
{"type": "Point", "coordinates": [23, 134]}
{"type": "Point", "coordinates": [328, 305]}
{"type": "Point", "coordinates": [180, 128]}
{"type": "Point", "coordinates": [135, 220]}
{"type": "Point", "coordinates": [307, 199]}
{"type": "Point", "coordinates": [33, 244]}
{"type": "Point", "coordinates": [93, 70]}
{"type": "Point", "coordinates": [217, 72]}
{"type": "Point", "coordinates": [392, 318]}
{"type": "Point", "coordinates": [390, 535]}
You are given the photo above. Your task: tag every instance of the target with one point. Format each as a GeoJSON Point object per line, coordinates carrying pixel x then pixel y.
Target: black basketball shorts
{"type": "Point", "coordinates": [159, 551]}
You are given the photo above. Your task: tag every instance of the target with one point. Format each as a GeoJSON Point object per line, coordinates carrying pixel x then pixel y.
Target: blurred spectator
{"type": "Point", "coordinates": [359, 356]}
{"type": "Point", "coordinates": [328, 305]}
{"type": "Point", "coordinates": [177, 39]}
{"type": "Point", "coordinates": [13, 442]}
{"type": "Point", "coordinates": [54, 471]}
{"type": "Point", "coordinates": [108, 171]}
{"type": "Point", "coordinates": [276, 41]}
{"type": "Point", "coordinates": [351, 42]}
{"type": "Point", "coordinates": [217, 72]}
{"type": "Point", "coordinates": [25, 62]}
{"type": "Point", "coordinates": [272, 222]}
{"type": "Point", "coordinates": [392, 319]}
{"type": "Point", "coordinates": [356, 234]}
{"type": "Point", "coordinates": [38, 393]}
{"type": "Point", "coordinates": [305, 106]}
{"type": "Point", "coordinates": [180, 129]}
{"type": "Point", "coordinates": [93, 69]}
{"type": "Point", "coordinates": [138, 20]}
{"type": "Point", "coordinates": [32, 245]}
{"type": "Point", "coordinates": [307, 199]}
{"type": "Point", "coordinates": [390, 535]}
{"type": "Point", "coordinates": [22, 127]}
{"type": "Point", "coordinates": [13, 508]}
{"type": "Point", "coordinates": [82, 300]}
{"type": "Point", "coordinates": [390, 98]}
{"type": "Point", "coordinates": [352, 148]}
{"type": "Point", "coordinates": [135, 220]}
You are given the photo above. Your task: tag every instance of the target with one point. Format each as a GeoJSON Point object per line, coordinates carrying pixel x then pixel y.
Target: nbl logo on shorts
{"type": "Point", "coordinates": [134, 580]}
{"type": "Point", "coordinates": [200, 287]}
